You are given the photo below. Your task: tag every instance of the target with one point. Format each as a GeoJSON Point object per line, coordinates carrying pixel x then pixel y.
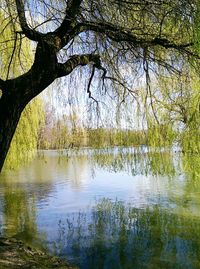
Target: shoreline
{"type": "Point", "coordinates": [14, 254]}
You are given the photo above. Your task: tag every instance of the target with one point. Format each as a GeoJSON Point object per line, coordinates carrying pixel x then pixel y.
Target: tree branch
{"type": "Point", "coordinates": [30, 33]}
{"type": "Point", "coordinates": [53, 39]}
{"type": "Point", "coordinates": [79, 60]}
{"type": "Point", "coordinates": [72, 10]}
{"type": "Point", "coordinates": [89, 84]}
{"type": "Point", "coordinates": [120, 34]}
{"type": "Point", "coordinates": [2, 85]}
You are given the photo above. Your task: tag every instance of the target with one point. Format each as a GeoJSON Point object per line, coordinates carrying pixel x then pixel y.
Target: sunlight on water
{"type": "Point", "coordinates": [107, 209]}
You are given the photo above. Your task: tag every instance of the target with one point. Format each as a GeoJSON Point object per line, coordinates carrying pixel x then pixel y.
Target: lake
{"type": "Point", "coordinates": [107, 209]}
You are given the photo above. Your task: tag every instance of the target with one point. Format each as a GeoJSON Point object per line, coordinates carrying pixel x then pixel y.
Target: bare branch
{"type": "Point", "coordinates": [72, 10]}
{"type": "Point", "coordinates": [120, 34]}
{"type": "Point", "coordinates": [79, 60]}
{"type": "Point", "coordinates": [11, 58]}
{"type": "Point", "coordinates": [30, 33]}
{"type": "Point", "coordinates": [89, 84]}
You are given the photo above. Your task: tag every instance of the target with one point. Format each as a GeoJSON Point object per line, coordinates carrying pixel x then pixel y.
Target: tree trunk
{"type": "Point", "coordinates": [10, 112]}
{"type": "Point", "coordinates": [18, 92]}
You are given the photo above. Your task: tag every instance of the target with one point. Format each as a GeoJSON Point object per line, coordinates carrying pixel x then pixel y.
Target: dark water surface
{"type": "Point", "coordinates": [110, 209]}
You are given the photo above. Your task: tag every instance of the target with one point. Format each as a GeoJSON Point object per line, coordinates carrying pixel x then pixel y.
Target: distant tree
{"type": "Point", "coordinates": [110, 36]}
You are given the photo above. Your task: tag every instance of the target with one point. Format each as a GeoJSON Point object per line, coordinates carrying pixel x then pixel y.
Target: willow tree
{"type": "Point", "coordinates": [24, 143]}
{"type": "Point", "coordinates": [110, 36]}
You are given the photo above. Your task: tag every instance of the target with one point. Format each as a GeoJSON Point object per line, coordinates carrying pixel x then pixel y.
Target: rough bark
{"type": "Point", "coordinates": [10, 113]}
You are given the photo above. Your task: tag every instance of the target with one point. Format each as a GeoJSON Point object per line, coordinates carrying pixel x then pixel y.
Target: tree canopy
{"type": "Point", "coordinates": [121, 42]}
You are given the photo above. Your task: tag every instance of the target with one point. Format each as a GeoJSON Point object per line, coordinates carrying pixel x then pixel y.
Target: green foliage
{"type": "Point", "coordinates": [160, 135]}
{"type": "Point", "coordinates": [25, 140]}
{"type": "Point", "coordinates": [191, 167]}
{"type": "Point", "coordinates": [60, 136]}
{"type": "Point", "coordinates": [60, 133]}
{"type": "Point", "coordinates": [172, 108]}
{"type": "Point", "coordinates": [173, 114]}
{"type": "Point", "coordinates": [190, 141]}
{"type": "Point", "coordinates": [102, 137]}
{"type": "Point", "coordinates": [190, 136]}
{"type": "Point", "coordinates": [16, 58]}
{"type": "Point", "coordinates": [16, 55]}
{"type": "Point", "coordinates": [197, 26]}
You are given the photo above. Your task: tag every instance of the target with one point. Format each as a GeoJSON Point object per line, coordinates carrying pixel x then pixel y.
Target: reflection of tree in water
{"type": "Point", "coordinates": [137, 161]}
{"type": "Point", "coordinates": [19, 212]}
{"type": "Point", "coordinates": [19, 216]}
{"type": "Point", "coordinates": [113, 235]}
{"type": "Point", "coordinates": [118, 236]}
{"type": "Point", "coordinates": [74, 169]}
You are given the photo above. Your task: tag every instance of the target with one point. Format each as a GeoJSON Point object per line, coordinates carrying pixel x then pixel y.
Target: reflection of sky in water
{"type": "Point", "coordinates": [39, 198]}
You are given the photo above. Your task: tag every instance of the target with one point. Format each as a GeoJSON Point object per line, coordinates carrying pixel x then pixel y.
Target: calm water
{"type": "Point", "coordinates": [109, 209]}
